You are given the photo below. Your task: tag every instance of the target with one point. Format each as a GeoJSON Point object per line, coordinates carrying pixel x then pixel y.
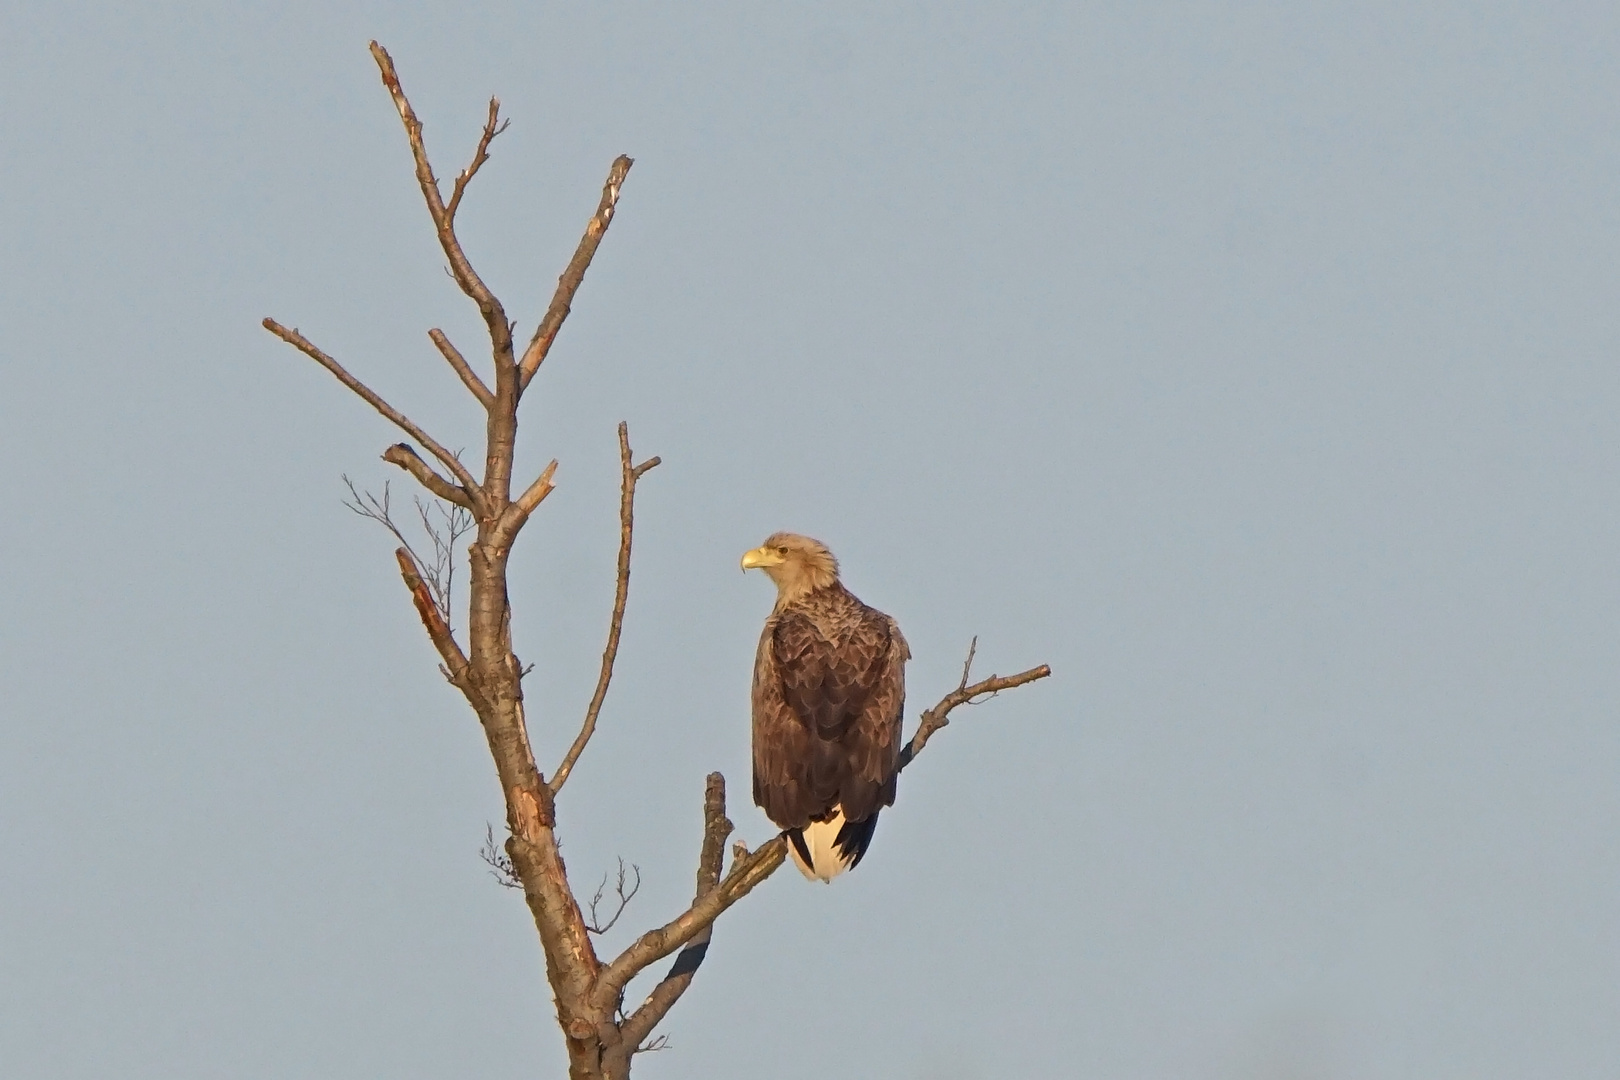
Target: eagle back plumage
{"type": "Point", "coordinates": [828, 696]}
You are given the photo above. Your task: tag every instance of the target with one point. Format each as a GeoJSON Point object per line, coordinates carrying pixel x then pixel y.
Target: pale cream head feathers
{"type": "Point", "coordinates": [797, 564]}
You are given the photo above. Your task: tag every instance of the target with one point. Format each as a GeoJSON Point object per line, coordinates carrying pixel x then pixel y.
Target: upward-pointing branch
{"type": "Point", "coordinates": [628, 475]}
{"type": "Point", "coordinates": [716, 827]}
{"type": "Point", "coordinates": [492, 127]}
{"type": "Point", "coordinates": [500, 331]}
{"type": "Point", "coordinates": [568, 284]}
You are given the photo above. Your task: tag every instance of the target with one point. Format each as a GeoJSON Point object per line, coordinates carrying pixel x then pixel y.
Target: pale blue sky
{"type": "Point", "coordinates": [1254, 365]}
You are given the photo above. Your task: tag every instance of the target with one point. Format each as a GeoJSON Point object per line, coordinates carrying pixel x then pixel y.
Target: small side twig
{"type": "Point", "coordinates": [454, 523]}
{"type": "Point", "coordinates": [652, 1045]}
{"type": "Point", "coordinates": [622, 898]}
{"type": "Point", "coordinates": [628, 475]}
{"type": "Point", "coordinates": [498, 861]}
{"type": "Point", "coordinates": [492, 127]}
{"type": "Point", "coordinates": [445, 534]}
{"type": "Point", "coordinates": [367, 505]}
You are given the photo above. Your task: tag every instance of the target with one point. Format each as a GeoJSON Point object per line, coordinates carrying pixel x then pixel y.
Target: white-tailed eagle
{"type": "Point", "coordinates": [829, 690]}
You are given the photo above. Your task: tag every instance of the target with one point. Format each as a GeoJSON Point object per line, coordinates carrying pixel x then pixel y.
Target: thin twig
{"type": "Point", "coordinates": [368, 505]}
{"type": "Point", "coordinates": [652, 1046]}
{"type": "Point", "coordinates": [445, 535]}
{"type": "Point", "coordinates": [492, 127]}
{"type": "Point", "coordinates": [623, 898]}
{"type": "Point", "coordinates": [469, 378]}
{"type": "Point", "coordinates": [628, 475]}
{"type": "Point", "coordinates": [498, 861]}
{"type": "Point", "coordinates": [292, 337]}
{"type": "Point", "coordinates": [568, 284]}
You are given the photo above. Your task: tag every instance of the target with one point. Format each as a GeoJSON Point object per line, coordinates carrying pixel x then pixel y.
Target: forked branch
{"type": "Point", "coordinates": [500, 331]}
{"type": "Point", "coordinates": [628, 476]}
{"type": "Point", "coordinates": [651, 947]}
{"type": "Point", "coordinates": [624, 891]}
{"type": "Point", "coordinates": [716, 828]}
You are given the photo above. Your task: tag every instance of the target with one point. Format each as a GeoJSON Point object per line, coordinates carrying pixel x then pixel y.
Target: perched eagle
{"type": "Point", "coordinates": [829, 690]}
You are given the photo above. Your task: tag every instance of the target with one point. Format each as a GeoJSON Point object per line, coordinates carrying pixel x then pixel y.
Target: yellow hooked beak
{"type": "Point", "coordinates": [759, 558]}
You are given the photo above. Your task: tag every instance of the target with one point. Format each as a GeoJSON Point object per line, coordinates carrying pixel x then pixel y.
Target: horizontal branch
{"type": "Point", "coordinates": [939, 715]}
{"type": "Point", "coordinates": [469, 377]}
{"type": "Point", "coordinates": [405, 457]}
{"type": "Point", "coordinates": [568, 284]}
{"type": "Point", "coordinates": [292, 337]}
{"type": "Point", "coordinates": [628, 475]}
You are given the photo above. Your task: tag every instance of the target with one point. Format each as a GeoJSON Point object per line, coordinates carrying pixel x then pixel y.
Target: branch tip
{"type": "Point", "coordinates": [572, 275]}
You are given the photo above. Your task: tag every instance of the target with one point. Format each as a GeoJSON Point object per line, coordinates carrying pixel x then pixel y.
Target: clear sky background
{"type": "Point", "coordinates": [1254, 365]}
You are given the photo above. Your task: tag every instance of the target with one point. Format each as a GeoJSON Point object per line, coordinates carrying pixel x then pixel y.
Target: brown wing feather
{"type": "Point", "coordinates": [829, 691]}
{"type": "Point", "coordinates": [873, 744]}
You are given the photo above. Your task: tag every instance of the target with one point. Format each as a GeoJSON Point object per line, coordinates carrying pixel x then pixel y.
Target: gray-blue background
{"type": "Point", "coordinates": [1252, 364]}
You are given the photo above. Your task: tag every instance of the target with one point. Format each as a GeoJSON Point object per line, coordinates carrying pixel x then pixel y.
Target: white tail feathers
{"type": "Point", "coordinates": [820, 840]}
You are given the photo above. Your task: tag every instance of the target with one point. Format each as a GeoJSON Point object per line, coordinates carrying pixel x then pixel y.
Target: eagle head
{"type": "Point", "coordinates": [797, 564]}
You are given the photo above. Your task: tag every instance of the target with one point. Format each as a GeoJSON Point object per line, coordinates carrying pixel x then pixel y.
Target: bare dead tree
{"type": "Point", "coordinates": [601, 1035]}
